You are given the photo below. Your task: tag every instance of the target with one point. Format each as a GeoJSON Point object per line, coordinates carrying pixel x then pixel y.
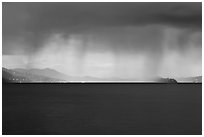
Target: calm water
{"type": "Point", "coordinates": [102, 109]}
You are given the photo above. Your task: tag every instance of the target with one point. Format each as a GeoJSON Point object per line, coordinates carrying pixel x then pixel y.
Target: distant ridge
{"type": "Point", "coordinates": [13, 76]}
{"type": "Point", "coordinates": [9, 76]}
{"type": "Point", "coordinates": [20, 75]}
{"type": "Point", "coordinates": [47, 72]}
{"type": "Point", "coordinates": [51, 73]}
{"type": "Point", "coordinates": [166, 80]}
{"type": "Point", "coordinates": [197, 79]}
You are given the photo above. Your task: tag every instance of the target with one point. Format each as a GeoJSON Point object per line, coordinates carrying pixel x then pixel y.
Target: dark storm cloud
{"type": "Point", "coordinates": [33, 22]}
{"type": "Point", "coordinates": [40, 17]}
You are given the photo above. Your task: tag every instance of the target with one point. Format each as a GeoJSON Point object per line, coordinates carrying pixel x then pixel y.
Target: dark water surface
{"type": "Point", "coordinates": [102, 109]}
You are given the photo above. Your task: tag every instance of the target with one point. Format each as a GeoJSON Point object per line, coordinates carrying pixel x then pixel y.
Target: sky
{"type": "Point", "coordinates": [125, 40]}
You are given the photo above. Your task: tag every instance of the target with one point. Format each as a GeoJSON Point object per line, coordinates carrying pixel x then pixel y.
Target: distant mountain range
{"type": "Point", "coordinates": [47, 72]}
{"type": "Point", "coordinates": [48, 75]}
{"type": "Point", "coordinates": [197, 79]}
{"type": "Point", "coordinates": [14, 76]}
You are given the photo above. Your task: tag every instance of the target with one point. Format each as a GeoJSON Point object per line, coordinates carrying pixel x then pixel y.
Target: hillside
{"type": "Point", "coordinates": [12, 76]}
{"type": "Point", "coordinates": [197, 79]}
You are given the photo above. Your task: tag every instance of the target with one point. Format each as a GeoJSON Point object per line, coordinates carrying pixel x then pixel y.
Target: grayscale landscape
{"type": "Point", "coordinates": [102, 68]}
